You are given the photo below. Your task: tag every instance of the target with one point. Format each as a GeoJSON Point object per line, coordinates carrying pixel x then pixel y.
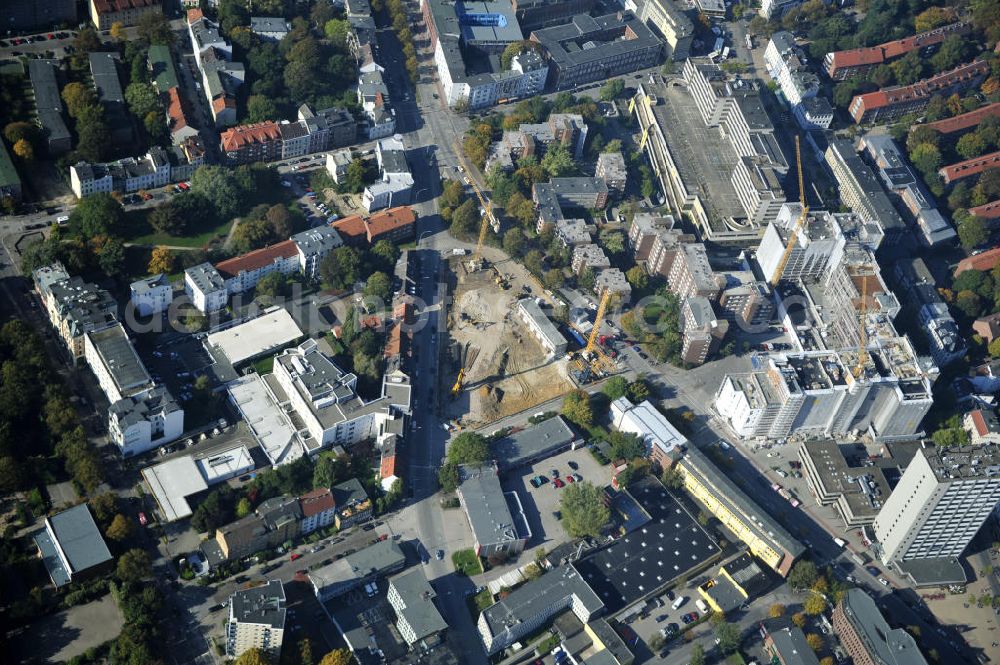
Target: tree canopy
{"type": "Point", "coordinates": [582, 508]}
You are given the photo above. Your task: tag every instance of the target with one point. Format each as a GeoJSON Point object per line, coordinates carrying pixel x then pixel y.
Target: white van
{"type": "Point", "coordinates": [702, 607]}
{"type": "Point", "coordinates": [62, 220]}
{"type": "Point", "coordinates": [677, 603]}
{"type": "Point", "coordinates": [840, 542]}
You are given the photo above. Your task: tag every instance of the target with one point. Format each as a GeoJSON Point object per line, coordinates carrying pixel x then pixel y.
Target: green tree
{"type": "Point", "coordinates": [154, 28]}
{"type": "Point", "coordinates": [815, 641]}
{"type": "Point", "coordinates": [697, 655]}
{"type": "Point", "coordinates": [908, 69]}
{"type": "Point", "coordinates": [615, 387]}
{"type": "Point", "coordinates": [378, 286]}
{"type": "Point", "coordinates": [814, 605]}
{"type": "Point", "coordinates": [971, 145]}
{"type": "Point", "coordinates": [243, 508]}
{"type": "Point", "coordinates": [251, 234]}
{"type": "Point", "coordinates": [465, 220]}
{"type": "Point", "coordinates": [994, 348]}
{"type": "Point", "coordinates": [513, 242]}
{"type": "Point", "coordinates": [168, 218]}
{"type": "Point", "coordinates": [637, 277]}
{"type": "Point", "coordinates": [385, 254]}
{"type": "Point", "coordinates": [339, 270]}
{"type": "Point", "coordinates": [356, 176]}
{"type": "Point", "coordinates": [576, 407]}
{"type": "Point", "coordinates": [612, 90]}
{"type": "Point", "coordinates": [558, 161]}
{"type": "Point", "coordinates": [120, 528]}
{"type": "Point", "coordinates": [583, 511]}
{"type": "Point", "coordinates": [728, 637]}
{"type": "Point", "coordinates": [226, 189]}
{"type": "Point", "coordinates": [972, 232]}
{"type": "Point", "coordinates": [134, 566]}
{"type": "Point", "coordinates": [799, 619]}
{"type": "Point", "coordinates": [337, 30]}
{"type": "Point", "coordinates": [338, 657]}
{"type": "Point", "coordinates": [803, 575]}
{"type": "Point", "coordinates": [77, 96]}
{"type": "Point", "coordinates": [255, 656]}
{"type": "Point", "coordinates": [969, 303]}
{"type": "Point", "coordinates": [612, 241]}
{"type": "Point", "coordinates": [261, 108]}
{"type": "Point", "coordinates": [468, 448]}
{"type": "Point", "coordinates": [776, 611]}
{"type": "Point", "coordinates": [272, 285]}
{"type": "Point", "coordinates": [637, 391]}
{"type": "Point", "coordinates": [142, 99]}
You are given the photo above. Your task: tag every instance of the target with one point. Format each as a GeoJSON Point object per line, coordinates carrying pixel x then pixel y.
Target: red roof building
{"type": "Point", "coordinates": [969, 167]}
{"type": "Point", "coordinates": [105, 13]}
{"type": "Point", "coordinates": [891, 103]}
{"type": "Point", "coordinates": [966, 120]}
{"type": "Point", "coordinates": [983, 261]}
{"type": "Point", "coordinates": [987, 327]}
{"type": "Point", "coordinates": [989, 210]}
{"type": "Point", "coordinates": [319, 510]}
{"type": "Point", "coordinates": [260, 261]}
{"type": "Point", "coordinates": [841, 65]}
{"type": "Point", "coordinates": [260, 142]}
{"type": "Point", "coordinates": [352, 230]}
{"type": "Point", "coordinates": [394, 224]}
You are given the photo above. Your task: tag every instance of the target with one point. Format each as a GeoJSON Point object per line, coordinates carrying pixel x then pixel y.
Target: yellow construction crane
{"type": "Point", "coordinates": [488, 219]}
{"type": "Point", "coordinates": [863, 348]}
{"type": "Point", "coordinates": [794, 236]}
{"type": "Point", "coordinates": [457, 388]}
{"type": "Point", "coordinates": [598, 320]}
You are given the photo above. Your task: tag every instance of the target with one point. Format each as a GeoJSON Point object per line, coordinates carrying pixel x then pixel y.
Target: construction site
{"type": "Point", "coordinates": [493, 365]}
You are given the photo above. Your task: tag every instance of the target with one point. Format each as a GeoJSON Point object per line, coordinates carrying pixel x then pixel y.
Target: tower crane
{"type": "Point", "coordinates": [794, 236]}
{"type": "Point", "coordinates": [863, 331]}
{"type": "Point", "coordinates": [598, 320]}
{"type": "Point", "coordinates": [489, 219]}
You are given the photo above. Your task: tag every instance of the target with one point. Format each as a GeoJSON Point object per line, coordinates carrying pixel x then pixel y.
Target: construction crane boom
{"type": "Point", "coordinates": [598, 319]}
{"type": "Point", "coordinates": [794, 236]}
{"type": "Point", "coordinates": [488, 219]}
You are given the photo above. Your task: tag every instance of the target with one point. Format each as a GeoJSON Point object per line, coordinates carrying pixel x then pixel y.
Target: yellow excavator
{"type": "Point", "coordinates": [457, 388]}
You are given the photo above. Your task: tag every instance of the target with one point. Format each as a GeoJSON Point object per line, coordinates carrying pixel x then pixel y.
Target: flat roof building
{"type": "Point", "coordinates": [256, 337]}
{"type": "Point", "coordinates": [534, 443]}
{"type": "Point", "coordinates": [117, 366]}
{"type": "Point", "coordinates": [867, 637]}
{"type": "Point", "coordinates": [367, 564]}
{"type": "Point", "coordinates": [496, 518]}
{"type": "Point", "coordinates": [644, 420]}
{"type": "Point", "coordinates": [256, 620]}
{"type": "Point", "coordinates": [71, 546]}
{"type": "Point", "coordinates": [541, 327]}
{"type": "Point", "coordinates": [173, 482]}
{"type": "Point", "coordinates": [788, 646]}
{"type": "Point", "coordinates": [48, 105]}
{"type": "Point", "coordinates": [857, 493]}
{"type": "Point", "coordinates": [417, 617]}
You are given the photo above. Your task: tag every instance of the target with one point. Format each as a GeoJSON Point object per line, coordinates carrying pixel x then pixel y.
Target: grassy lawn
{"type": "Point", "coordinates": [483, 599]}
{"type": "Point", "coordinates": [264, 365]}
{"type": "Point", "coordinates": [466, 562]}
{"type": "Point", "coordinates": [138, 231]}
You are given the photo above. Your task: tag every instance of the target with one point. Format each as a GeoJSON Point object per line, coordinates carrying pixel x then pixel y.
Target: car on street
{"type": "Point", "coordinates": [570, 478]}
{"type": "Point", "coordinates": [576, 476]}
{"type": "Point", "coordinates": [573, 465]}
{"type": "Point", "coordinates": [873, 571]}
{"type": "Point", "coordinates": [884, 582]}
{"type": "Point", "coordinates": [554, 473]}
{"type": "Point", "coordinates": [439, 555]}
{"type": "Point", "coordinates": [661, 618]}
{"type": "Point", "coordinates": [295, 556]}
{"type": "Point", "coordinates": [557, 483]}
{"type": "Point", "coordinates": [142, 519]}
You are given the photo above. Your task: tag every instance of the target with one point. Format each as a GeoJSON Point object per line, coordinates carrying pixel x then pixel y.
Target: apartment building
{"type": "Point", "coordinates": [220, 77]}
{"type": "Point", "coordinates": [529, 606]}
{"type": "Point", "coordinates": [151, 295]}
{"type": "Point", "coordinates": [774, 9]}
{"type": "Point", "coordinates": [179, 117]}
{"type": "Point", "coordinates": [395, 184]}
{"type": "Point", "coordinates": [328, 128]}
{"type": "Point", "coordinates": [573, 232]}
{"type": "Point", "coordinates": [964, 121]}
{"type": "Point", "coordinates": [270, 28]}
{"type": "Point", "coordinates": [745, 300]}
{"type": "Point", "coordinates": [588, 256]}
{"type": "Point", "coordinates": [701, 331]}
{"type": "Point", "coordinates": [260, 142]}
{"type": "Point", "coordinates": [111, 356]}
{"type": "Point", "coordinates": [108, 86]}
{"type": "Point", "coordinates": [887, 104]}
{"type": "Point", "coordinates": [613, 281]}
{"type": "Point", "coordinates": [352, 504]}
{"type": "Point", "coordinates": [692, 275]}
{"type": "Point", "coordinates": [144, 421]}
{"type": "Point", "coordinates": [541, 327]}
{"type": "Point", "coordinates": [417, 617]}
{"type": "Point", "coordinates": [788, 646]}
{"type": "Point", "coordinates": [74, 306]}
{"type": "Point", "coordinates": [369, 564]}
{"type": "Point", "coordinates": [643, 230]}
{"type": "Point", "coordinates": [899, 178]}
{"type": "Point", "coordinates": [567, 129]}
{"type": "Point", "coordinates": [205, 287]}
{"type": "Point", "coordinates": [157, 168]}
{"type": "Point", "coordinates": [861, 192]}
{"type": "Point", "coordinates": [618, 44]}
{"type": "Point", "coordinates": [670, 21]}
{"type": "Point", "coordinates": [105, 13]}
{"type": "Point", "coordinates": [612, 170]}
{"type": "Point", "coordinates": [943, 498]}
{"type": "Point", "coordinates": [242, 273]}
{"type": "Point", "coordinates": [840, 65]}
{"type": "Point", "coordinates": [313, 245]}
{"type": "Point", "coordinates": [256, 620]}
{"type": "Point", "coordinates": [44, 77]}
{"type": "Point", "coordinates": [969, 167]}
{"type": "Point", "coordinates": [373, 96]}
{"type": "Point", "coordinates": [318, 509]}
{"type": "Point", "coordinates": [786, 64]}
{"type": "Point", "coordinates": [867, 637]}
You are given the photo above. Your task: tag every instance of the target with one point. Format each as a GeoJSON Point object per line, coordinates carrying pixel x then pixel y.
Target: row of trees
{"type": "Point", "coordinates": [401, 26]}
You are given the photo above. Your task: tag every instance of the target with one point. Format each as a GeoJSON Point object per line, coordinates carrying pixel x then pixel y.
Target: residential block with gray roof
{"type": "Point", "coordinates": [529, 606]}
{"type": "Point", "coordinates": [108, 85]}
{"type": "Point", "coordinates": [257, 620]}
{"type": "Point", "coordinates": [368, 564]}
{"type": "Point", "coordinates": [417, 617]}
{"type": "Point", "coordinates": [44, 75]}
{"type": "Point", "coordinates": [541, 327]}
{"type": "Point", "coordinates": [497, 519]}
{"type": "Point", "coordinates": [534, 443]}
{"type": "Point", "coordinates": [867, 637]}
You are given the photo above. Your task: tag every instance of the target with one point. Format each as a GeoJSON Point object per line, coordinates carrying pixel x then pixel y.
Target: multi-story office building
{"type": "Point", "coordinates": [417, 617]}
{"type": "Point", "coordinates": [530, 605]}
{"type": "Point", "coordinates": [533, 14]}
{"type": "Point", "coordinates": [612, 170]}
{"type": "Point", "coordinates": [758, 186]}
{"type": "Point", "coordinates": [888, 104]}
{"type": "Point", "coordinates": [662, 440]}
{"type": "Point", "coordinates": [111, 356]}
{"type": "Point", "coordinates": [819, 244]}
{"type": "Point", "coordinates": [467, 38]}
{"type": "Point", "coordinates": [857, 493]}
{"type": "Point", "coordinates": [763, 535]}
{"type": "Point", "coordinates": [588, 256]}
{"type": "Point", "coordinates": [670, 21]}
{"type": "Point", "coordinates": [861, 191]}
{"type": "Point", "coordinates": [151, 295]}
{"type": "Point", "coordinates": [702, 332]}
{"type": "Point", "coordinates": [938, 506]}
{"type": "Point", "coordinates": [692, 275]}
{"type": "Point", "coordinates": [840, 65]}
{"type": "Point", "coordinates": [369, 564]}
{"type": "Point", "coordinates": [745, 300]}
{"type": "Point", "coordinates": [867, 637]}
{"type": "Point", "coordinates": [256, 620]}
{"type": "Point", "coordinates": [105, 13]}
{"type": "Point", "coordinates": [617, 44]}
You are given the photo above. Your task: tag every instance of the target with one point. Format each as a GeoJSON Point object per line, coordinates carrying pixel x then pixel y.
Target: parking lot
{"type": "Point", "coordinates": [541, 504]}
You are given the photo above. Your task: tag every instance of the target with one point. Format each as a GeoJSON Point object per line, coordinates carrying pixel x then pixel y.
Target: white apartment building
{"type": "Point", "coordinates": [417, 617]}
{"type": "Point", "coordinates": [205, 287]}
{"type": "Point", "coordinates": [770, 9]}
{"type": "Point", "coordinates": [940, 503]}
{"type": "Point", "coordinates": [819, 244]}
{"type": "Point", "coordinates": [151, 295]}
{"type": "Point", "coordinates": [144, 421]}
{"type": "Point", "coordinates": [671, 21]}
{"type": "Point", "coordinates": [395, 184]}
{"type": "Point", "coordinates": [117, 366]}
{"type": "Point", "coordinates": [256, 620]}
{"type": "Point", "coordinates": [645, 421]}
{"type": "Point", "coordinates": [541, 327]}
{"type": "Point", "coordinates": [313, 246]}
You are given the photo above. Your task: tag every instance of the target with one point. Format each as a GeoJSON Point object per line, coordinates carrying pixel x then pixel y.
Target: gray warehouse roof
{"type": "Point", "coordinates": [373, 560]}
{"type": "Point", "coordinates": [584, 38]}
{"type": "Point", "coordinates": [536, 441]}
{"type": "Point", "coordinates": [486, 506]}
{"type": "Point", "coordinates": [77, 537]}
{"type": "Point", "coordinates": [539, 596]}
